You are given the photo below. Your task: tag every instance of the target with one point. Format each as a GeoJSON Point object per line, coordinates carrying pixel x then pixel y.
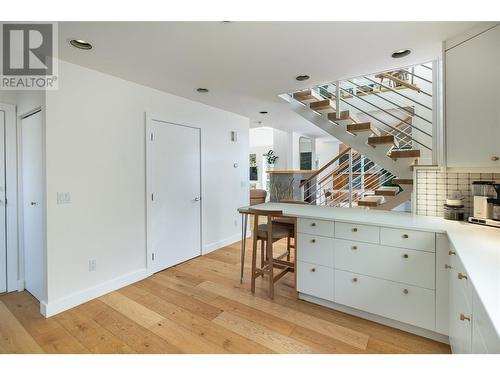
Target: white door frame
{"type": "Point", "coordinates": [149, 126]}
{"type": "Point", "coordinates": [11, 192]}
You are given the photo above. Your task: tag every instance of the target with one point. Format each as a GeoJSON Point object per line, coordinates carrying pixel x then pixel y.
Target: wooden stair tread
{"type": "Point", "coordinates": [381, 140]}
{"type": "Point", "coordinates": [344, 115]}
{"type": "Point", "coordinates": [413, 166]}
{"type": "Point", "coordinates": [370, 201]}
{"type": "Point", "coordinates": [306, 95]}
{"type": "Point", "coordinates": [321, 105]}
{"type": "Point", "coordinates": [396, 154]}
{"type": "Point", "coordinates": [402, 181]}
{"type": "Point", "coordinates": [362, 127]}
{"type": "Point", "coordinates": [387, 191]}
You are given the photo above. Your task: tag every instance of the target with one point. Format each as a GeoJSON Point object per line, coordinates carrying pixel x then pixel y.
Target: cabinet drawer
{"type": "Point", "coordinates": [315, 280]}
{"type": "Point", "coordinates": [391, 263]}
{"type": "Point", "coordinates": [357, 232]}
{"type": "Point", "coordinates": [315, 249]}
{"type": "Point", "coordinates": [404, 303]}
{"type": "Point", "coordinates": [317, 227]}
{"type": "Point", "coordinates": [409, 239]}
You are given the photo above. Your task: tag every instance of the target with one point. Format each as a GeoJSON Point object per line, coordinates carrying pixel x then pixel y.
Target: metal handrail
{"type": "Point", "coordinates": [396, 117]}
{"type": "Point", "coordinates": [397, 92]}
{"type": "Point", "coordinates": [416, 75]}
{"type": "Point", "coordinates": [334, 179]}
{"type": "Point", "coordinates": [324, 167]}
{"type": "Point", "coordinates": [362, 193]}
{"type": "Point", "coordinates": [383, 122]}
{"type": "Point", "coordinates": [324, 182]}
{"type": "Point", "coordinates": [397, 105]}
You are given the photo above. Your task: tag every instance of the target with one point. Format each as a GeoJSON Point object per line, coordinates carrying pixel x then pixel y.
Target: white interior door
{"type": "Point", "coordinates": [32, 168]}
{"type": "Point", "coordinates": [3, 243]}
{"type": "Point", "coordinates": [175, 210]}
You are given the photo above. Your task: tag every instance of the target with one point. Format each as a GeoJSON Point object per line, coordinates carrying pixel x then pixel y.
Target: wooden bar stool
{"type": "Point", "coordinates": [268, 234]}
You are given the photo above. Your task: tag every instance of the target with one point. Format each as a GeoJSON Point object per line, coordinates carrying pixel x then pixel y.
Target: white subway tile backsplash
{"type": "Point", "coordinates": [433, 187]}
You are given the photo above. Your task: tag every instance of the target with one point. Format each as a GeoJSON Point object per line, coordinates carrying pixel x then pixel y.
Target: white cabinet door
{"type": "Point", "coordinates": [315, 280]}
{"type": "Point", "coordinates": [472, 102]}
{"type": "Point", "coordinates": [460, 319]}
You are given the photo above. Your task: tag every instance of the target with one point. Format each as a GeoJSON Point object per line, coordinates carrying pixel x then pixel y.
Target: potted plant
{"type": "Point", "coordinates": [271, 159]}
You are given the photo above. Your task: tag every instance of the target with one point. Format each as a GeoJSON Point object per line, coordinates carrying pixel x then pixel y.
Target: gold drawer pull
{"type": "Point", "coordinates": [355, 280]}
{"type": "Point", "coordinates": [464, 317]}
{"type": "Point", "coordinates": [313, 240]}
{"type": "Point", "coordinates": [354, 229]}
{"type": "Point", "coordinates": [354, 247]}
{"type": "Point", "coordinates": [406, 256]}
{"type": "Point", "coordinates": [313, 269]}
{"type": "Point", "coordinates": [406, 291]}
{"type": "Point", "coordinates": [451, 252]}
{"type": "Point", "coordinates": [405, 236]}
{"type": "Point", "coordinates": [447, 267]}
{"type": "Point", "coordinates": [313, 224]}
{"type": "Point", "coordinates": [462, 276]}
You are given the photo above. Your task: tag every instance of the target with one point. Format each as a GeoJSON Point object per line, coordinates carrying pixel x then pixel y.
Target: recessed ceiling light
{"type": "Point", "coordinates": [80, 44]}
{"type": "Point", "coordinates": [401, 53]}
{"type": "Point", "coordinates": [303, 77]}
{"type": "Point", "coordinates": [202, 90]}
{"type": "Point", "coordinates": [263, 112]}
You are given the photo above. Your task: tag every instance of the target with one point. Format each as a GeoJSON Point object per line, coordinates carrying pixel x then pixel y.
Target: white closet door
{"type": "Point", "coordinates": [3, 244]}
{"type": "Point", "coordinates": [33, 201]}
{"type": "Point", "coordinates": [175, 214]}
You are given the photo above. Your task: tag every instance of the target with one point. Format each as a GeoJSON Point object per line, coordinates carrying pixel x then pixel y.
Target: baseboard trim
{"type": "Point", "coordinates": [49, 309]}
{"type": "Point", "coordinates": [223, 243]}
{"type": "Point", "coordinates": [377, 318]}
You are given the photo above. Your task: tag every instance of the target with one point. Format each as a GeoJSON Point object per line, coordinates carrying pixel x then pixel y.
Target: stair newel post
{"type": "Point", "coordinates": [303, 193]}
{"type": "Point", "coordinates": [350, 178]}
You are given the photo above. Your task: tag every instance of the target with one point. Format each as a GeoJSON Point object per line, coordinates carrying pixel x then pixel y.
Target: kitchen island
{"type": "Point", "coordinates": [426, 275]}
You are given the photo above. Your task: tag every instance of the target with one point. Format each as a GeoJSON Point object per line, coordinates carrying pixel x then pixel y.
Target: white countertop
{"type": "Point", "coordinates": [477, 246]}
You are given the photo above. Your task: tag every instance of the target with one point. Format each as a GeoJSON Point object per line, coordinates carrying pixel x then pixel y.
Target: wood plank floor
{"type": "Point", "coordinates": [198, 307]}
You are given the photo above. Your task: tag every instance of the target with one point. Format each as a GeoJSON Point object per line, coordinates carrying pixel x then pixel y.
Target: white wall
{"type": "Point", "coordinates": [282, 146]}
{"type": "Point", "coordinates": [95, 150]}
{"type": "Point", "coordinates": [261, 141]}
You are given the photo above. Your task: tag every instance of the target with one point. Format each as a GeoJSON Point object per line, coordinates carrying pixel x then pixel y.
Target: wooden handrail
{"type": "Point", "coordinates": [311, 177]}
{"type": "Point", "coordinates": [400, 81]}
{"type": "Point", "coordinates": [336, 171]}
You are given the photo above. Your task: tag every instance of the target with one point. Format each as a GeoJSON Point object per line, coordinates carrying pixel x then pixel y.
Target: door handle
{"type": "Point", "coordinates": [34, 203]}
{"type": "Point", "coordinates": [197, 199]}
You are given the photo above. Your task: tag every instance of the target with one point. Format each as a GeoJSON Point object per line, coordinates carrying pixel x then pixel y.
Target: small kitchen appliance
{"type": "Point", "coordinates": [454, 207]}
{"type": "Point", "coordinates": [485, 204]}
{"type": "Point", "coordinates": [495, 210]}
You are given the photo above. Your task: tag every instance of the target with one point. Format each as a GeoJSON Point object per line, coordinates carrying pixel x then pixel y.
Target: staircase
{"type": "Point", "coordinates": [386, 121]}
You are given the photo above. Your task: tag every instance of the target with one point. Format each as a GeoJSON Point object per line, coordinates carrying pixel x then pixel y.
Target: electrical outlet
{"type": "Point", "coordinates": [92, 265]}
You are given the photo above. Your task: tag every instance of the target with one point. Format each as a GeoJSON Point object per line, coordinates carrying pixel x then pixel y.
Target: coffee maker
{"type": "Point", "coordinates": [486, 198]}
{"type": "Point", "coordinates": [495, 202]}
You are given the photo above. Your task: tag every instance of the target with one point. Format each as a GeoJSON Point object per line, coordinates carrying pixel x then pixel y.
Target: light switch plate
{"type": "Point", "coordinates": [63, 198]}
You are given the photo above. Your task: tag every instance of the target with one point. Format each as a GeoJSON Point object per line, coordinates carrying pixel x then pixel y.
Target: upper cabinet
{"type": "Point", "coordinates": [473, 101]}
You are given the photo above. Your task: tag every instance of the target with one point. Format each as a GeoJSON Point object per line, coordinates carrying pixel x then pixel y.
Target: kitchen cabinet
{"type": "Point", "coordinates": [428, 276]}
{"type": "Point", "coordinates": [472, 96]}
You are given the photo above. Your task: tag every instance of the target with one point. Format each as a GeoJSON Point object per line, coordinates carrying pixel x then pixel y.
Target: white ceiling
{"type": "Point", "coordinates": [245, 65]}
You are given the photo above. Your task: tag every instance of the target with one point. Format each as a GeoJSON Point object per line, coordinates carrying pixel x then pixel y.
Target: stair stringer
{"type": "Point", "coordinates": [392, 202]}
{"type": "Point", "coordinates": [400, 170]}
